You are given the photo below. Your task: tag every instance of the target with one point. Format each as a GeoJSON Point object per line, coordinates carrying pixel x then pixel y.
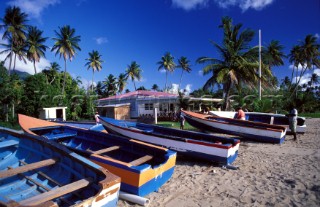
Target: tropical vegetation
{"type": "Point", "coordinates": [232, 74]}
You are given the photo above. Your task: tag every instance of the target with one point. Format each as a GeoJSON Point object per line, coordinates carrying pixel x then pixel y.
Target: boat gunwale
{"type": "Point", "coordinates": [156, 135]}
{"type": "Point", "coordinates": [261, 126]}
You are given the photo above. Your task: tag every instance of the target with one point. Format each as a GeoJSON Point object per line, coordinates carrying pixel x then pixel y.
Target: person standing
{"type": "Point", "coordinates": [96, 117]}
{"type": "Point", "coordinates": [240, 114]}
{"type": "Point", "coordinates": [181, 119]}
{"type": "Point", "coordinates": [293, 120]}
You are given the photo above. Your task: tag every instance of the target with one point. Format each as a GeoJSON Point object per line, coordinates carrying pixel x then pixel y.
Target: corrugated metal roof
{"type": "Point", "coordinates": [140, 94]}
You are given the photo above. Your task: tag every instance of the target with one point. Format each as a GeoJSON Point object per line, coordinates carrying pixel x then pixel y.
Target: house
{"type": "Point", "coordinates": [53, 113]}
{"type": "Point", "coordinates": [143, 103]}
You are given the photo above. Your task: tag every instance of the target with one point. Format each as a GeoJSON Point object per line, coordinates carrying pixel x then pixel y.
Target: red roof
{"type": "Point", "coordinates": [139, 94]}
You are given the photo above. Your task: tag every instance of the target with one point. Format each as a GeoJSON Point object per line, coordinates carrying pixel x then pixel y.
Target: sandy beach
{"type": "Point", "coordinates": [268, 175]}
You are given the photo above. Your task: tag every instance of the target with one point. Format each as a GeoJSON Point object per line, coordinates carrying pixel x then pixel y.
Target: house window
{"type": "Point", "coordinates": [148, 106]}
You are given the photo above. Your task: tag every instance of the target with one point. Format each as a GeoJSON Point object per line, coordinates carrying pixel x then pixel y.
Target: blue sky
{"type": "Point", "coordinates": [123, 31]}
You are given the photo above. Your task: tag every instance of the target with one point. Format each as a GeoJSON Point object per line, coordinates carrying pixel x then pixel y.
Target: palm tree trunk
{"type": "Point", "coordinates": [165, 86]}
{"type": "Point", "coordinates": [34, 66]}
{"type": "Point", "coordinates": [134, 83]}
{"type": "Point", "coordinates": [64, 76]}
{"type": "Point", "coordinates": [227, 88]}
{"type": "Point", "coordinates": [14, 63]}
{"type": "Point", "coordinates": [92, 79]}
{"type": "Point", "coordinates": [10, 61]}
{"type": "Point", "coordinates": [180, 80]}
{"type": "Point", "coordinates": [12, 110]}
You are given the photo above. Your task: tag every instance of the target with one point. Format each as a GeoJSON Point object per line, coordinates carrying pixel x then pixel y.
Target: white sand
{"type": "Point", "coordinates": [269, 175]}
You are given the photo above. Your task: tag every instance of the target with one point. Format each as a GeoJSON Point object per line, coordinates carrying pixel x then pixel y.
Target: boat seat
{"type": "Point", "coordinates": [105, 150]}
{"type": "Point", "coordinates": [8, 143]}
{"type": "Point", "coordinates": [26, 168]}
{"type": "Point", "coordinates": [141, 160]}
{"type": "Point", "coordinates": [57, 192]}
{"type": "Point", "coordinates": [61, 135]}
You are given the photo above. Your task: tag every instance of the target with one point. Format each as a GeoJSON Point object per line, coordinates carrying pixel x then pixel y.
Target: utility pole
{"type": "Point", "coordinates": [259, 64]}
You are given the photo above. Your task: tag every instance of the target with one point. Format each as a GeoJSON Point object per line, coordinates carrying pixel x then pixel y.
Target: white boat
{"type": "Point", "coordinates": [247, 129]}
{"type": "Point", "coordinates": [193, 144]}
{"type": "Point", "coordinates": [269, 118]}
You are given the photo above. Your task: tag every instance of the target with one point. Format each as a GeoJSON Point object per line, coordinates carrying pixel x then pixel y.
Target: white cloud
{"type": "Point", "coordinates": [28, 67]}
{"type": "Point", "coordinates": [200, 73]}
{"type": "Point", "coordinates": [306, 77]}
{"type": "Point", "coordinates": [244, 4]}
{"type": "Point", "coordinates": [33, 8]}
{"type": "Point", "coordinates": [101, 40]}
{"type": "Point", "coordinates": [189, 4]}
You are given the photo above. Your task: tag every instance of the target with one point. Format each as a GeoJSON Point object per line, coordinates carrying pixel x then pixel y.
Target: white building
{"type": "Point", "coordinates": [53, 113]}
{"type": "Point", "coordinates": [144, 102]}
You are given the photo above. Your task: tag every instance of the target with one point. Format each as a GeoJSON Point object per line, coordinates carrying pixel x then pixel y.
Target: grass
{"type": "Point", "coordinates": [310, 115]}
{"type": "Point", "coordinates": [173, 124]}
{"type": "Point", "coordinates": [10, 125]}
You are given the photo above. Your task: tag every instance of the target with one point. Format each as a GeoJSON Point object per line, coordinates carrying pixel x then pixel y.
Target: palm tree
{"type": "Point", "coordinates": [122, 82]}
{"type": "Point", "coordinates": [94, 62]}
{"type": "Point", "coordinates": [155, 87]}
{"type": "Point", "coordinates": [66, 44]}
{"type": "Point", "coordinates": [168, 64]}
{"type": "Point", "coordinates": [36, 48]}
{"type": "Point", "coordinates": [19, 50]}
{"type": "Point", "coordinates": [110, 85]}
{"type": "Point", "coordinates": [273, 55]}
{"type": "Point", "coordinates": [307, 55]}
{"type": "Point", "coordinates": [51, 72]}
{"type": "Point", "coordinates": [183, 63]}
{"type": "Point", "coordinates": [238, 64]}
{"type": "Point", "coordinates": [314, 79]}
{"type": "Point", "coordinates": [295, 58]}
{"type": "Point", "coordinates": [134, 72]}
{"type": "Point", "coordinates": [14, 24]}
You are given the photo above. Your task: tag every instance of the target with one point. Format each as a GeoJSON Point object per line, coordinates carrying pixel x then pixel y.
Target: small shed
{"type": "Point", "coordinates": [53, 113]}
{"type": "Point", "coordinates": [115, 111]}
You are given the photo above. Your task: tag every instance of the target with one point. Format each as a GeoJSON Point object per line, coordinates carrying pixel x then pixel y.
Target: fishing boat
{"type": "Point", "coordinates": [256, 131]}
{"type": "Point", "coordinates": [268, 118]}
{"type": "Point", "coordinates": [143, 168]}
{"type": "Point", "coordinates": [37, 172]}
{"type": "Point", "coordinates": [193, 144]}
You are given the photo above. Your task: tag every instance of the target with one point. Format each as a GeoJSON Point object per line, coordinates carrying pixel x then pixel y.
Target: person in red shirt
{"type": "Point", "coordinates": [240, 114]}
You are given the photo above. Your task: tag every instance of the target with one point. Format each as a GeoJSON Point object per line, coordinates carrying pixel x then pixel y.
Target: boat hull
{"type": "Point", "coordinates": [184, 144]}
{"type": "Point", "coordinates": [35, 171]}
{"type": "Point", "coordinates": [268, 118]}
{"type": "Point", "coordinates": [139, 179]}
{"type": "Point", "coordinates": [253, 131]}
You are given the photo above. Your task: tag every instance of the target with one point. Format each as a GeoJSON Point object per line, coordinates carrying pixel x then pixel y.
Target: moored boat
{"type": "Point", "coordinates": [193, 144]}
{"type": "Point", "coordinates": [268, 118]}
{"type": "Point", "coordinates": [260, 132]}
{"type": "Point", "coordinates": [37, 172]}
{"type": "Point", "coordinates": [143, 168]}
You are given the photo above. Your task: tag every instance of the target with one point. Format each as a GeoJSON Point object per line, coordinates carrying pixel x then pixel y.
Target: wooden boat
{"type": "Point", "coordinates": [143, 168]}
{"type": "Point", "coordinates": [194, 144]}
{"type": "Point", "coordinates": [37, 172]}
{"type": "Point", "coordinates": [268, 118]}
{"type": "Point", "coordinates": [260, 132]}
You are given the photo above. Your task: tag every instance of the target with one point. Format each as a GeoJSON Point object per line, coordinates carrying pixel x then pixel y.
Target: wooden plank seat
{"type": "Point", "coordinates": [57, 192]}
{"type": "Point", "coordinates": [60, 135]}
{"type": "Point", "coordinates": [98, 152]}
{"type": "Point", "coordinates": [8, 143]}
{"type": "Point", "coordinates": [26, 168]}
{"type": "Point", "coordinates": [141, 160]}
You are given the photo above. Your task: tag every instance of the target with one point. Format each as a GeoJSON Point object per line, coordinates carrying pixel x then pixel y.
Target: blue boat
{"type": "Point", "coordinates": [143, 168]}
{"type": "Point", "coordinates": [35, 171]}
